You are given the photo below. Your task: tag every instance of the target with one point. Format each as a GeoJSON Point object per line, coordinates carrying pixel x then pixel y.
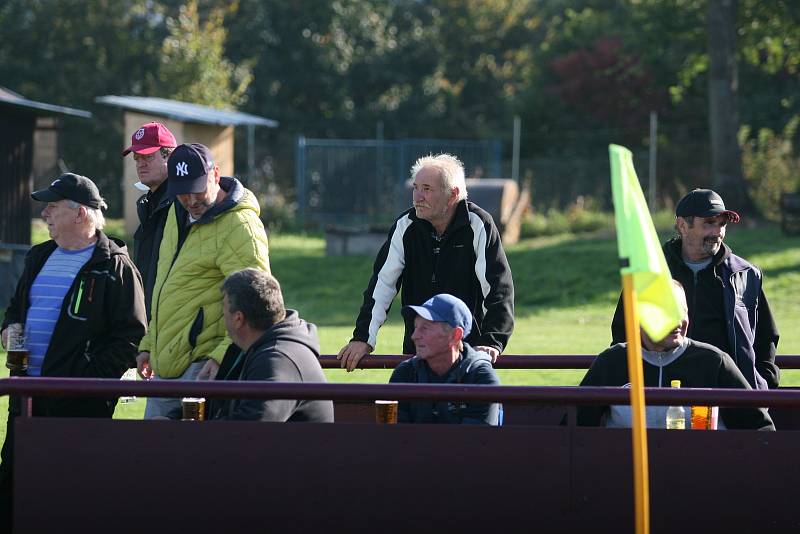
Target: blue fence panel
{"type": "Point", "coordinates": [360, 182]}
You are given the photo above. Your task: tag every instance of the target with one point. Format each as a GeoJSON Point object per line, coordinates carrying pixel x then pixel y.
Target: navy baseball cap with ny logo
{"type": "Point", "coordinates": [187, 169]}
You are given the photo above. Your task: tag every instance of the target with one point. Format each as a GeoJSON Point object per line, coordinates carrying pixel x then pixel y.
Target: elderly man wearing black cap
{"type": "Point", "coordinates": [151, 145]}
{"type": "Point", "coordinates": [79, 302]}
{"type": "Point", "coordinates": [440, 326]}
{"type": "Point", "coordinates": [212, 231]}
{"type": "Point", "coordinates": [727, 305]}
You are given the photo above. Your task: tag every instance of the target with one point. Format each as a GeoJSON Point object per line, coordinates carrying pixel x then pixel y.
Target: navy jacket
{"type": "Point", "coordinates": [471, 368]}
{"type": "Point", "coordinates": [750, 333]}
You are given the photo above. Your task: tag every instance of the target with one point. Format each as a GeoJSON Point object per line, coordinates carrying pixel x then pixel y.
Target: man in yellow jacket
{"type": "Point", "coordinates": [212, 230]}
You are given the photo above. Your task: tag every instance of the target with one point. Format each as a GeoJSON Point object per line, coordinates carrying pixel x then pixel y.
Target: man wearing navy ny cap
{"type": "Point", "coordinates": [727, 305]}
{"type": "Point", "coordinates": [212, 231]}
{"type": "Point", "coordinates": [151, 145]}
{"type": "Point", "coordinates": [80, 300]}
{"type": "Point", "coordinates": [440, 325]}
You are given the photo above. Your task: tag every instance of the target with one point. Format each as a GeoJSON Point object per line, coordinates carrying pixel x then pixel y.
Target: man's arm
{"type": "Point", "coordinates": [244, 246]}
{"type": "Point", "coordinates": [766, 343]}
{"type": "Point", "coordinates": [381, 290]}
{"type": "Point", "coordinates": [16, 307]}
{"type": "Point", "coordinates": [403, 374]}
{"type": "Point", "coordinates": [126, 323]}
{"type": "Point", "coordinates": [618, 324]}
{"type": "Point", "coordinates": [497, 287]}
{"type": "Point", "coordinates": [596, 375]}
{"type": "Point", "coordinates": [267, 367]}
{"type": "Point", "coordinates": [477, 413]}
{"type": "Point", "coordinates": [729, 376]}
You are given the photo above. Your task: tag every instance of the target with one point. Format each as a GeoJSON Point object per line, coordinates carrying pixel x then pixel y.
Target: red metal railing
{"type": "Point", "coordinates": [516, 361]}
{"type": "Point", "coordinates": [76, 387]}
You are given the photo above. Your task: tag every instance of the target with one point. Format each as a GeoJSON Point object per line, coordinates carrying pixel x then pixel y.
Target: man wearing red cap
{"type": "Point", "coordinates": [151, 146]}
{"type": "Point", "coordinates": [727, 305]}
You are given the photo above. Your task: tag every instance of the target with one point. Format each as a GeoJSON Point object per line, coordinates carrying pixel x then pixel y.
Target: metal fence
{"type": "Point", "coordinates": [12, 262]}
{"type": "Point", "coordinates": [358, 182]}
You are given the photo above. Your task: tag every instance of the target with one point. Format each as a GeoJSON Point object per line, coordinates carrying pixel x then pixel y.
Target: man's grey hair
{"type": "Point", "coordinates": [94, 214]}
{"type": "Point", "coordinates": [450, 169]}
{"type": "Point", "coordinates": [257, 294]}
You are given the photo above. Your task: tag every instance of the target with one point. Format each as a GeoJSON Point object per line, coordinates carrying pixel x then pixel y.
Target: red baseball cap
{"type": "Point", "coordinates": [149, 138]}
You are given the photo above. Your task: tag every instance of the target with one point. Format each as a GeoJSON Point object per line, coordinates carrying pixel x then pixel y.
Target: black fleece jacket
{"type": "Point", "coordinates": [101, 339]}
{"type": "Point", "coordinates": [700, 366]}
{"type": "Point", "coordinates": [287, 352]}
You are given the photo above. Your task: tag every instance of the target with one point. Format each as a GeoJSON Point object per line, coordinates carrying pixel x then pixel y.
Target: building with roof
{"type": "Point", "coordinates": [190, 123]}
{"type": "Point", "coordinates": [28, 144]}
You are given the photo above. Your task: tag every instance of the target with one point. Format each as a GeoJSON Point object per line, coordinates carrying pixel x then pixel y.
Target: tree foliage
{"type": "Point", "coordinates": [193, 66]}
{"type": "Point", "coordinates": [580, 73]}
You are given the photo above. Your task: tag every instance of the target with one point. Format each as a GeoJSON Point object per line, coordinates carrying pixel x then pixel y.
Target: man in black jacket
{"type": "Point", "coordinates": [277, 346]}
{"type": "Point", "coordinates": [151, 145]}
{"type": "Point", "coordinates": [676, 357]}
{"type": "Point", "coordinates": [727, 305]}
{"type": "Point", "coordinates": [444, 244]}
{"type": "Point", "coordinates": [81, 301]}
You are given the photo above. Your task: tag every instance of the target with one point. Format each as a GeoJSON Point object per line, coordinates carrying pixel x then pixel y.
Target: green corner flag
{"type": "Point", "coordinates": [639, 249]}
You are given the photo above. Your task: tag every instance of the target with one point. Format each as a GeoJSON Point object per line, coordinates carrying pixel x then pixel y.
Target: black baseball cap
{"type": "Point", "coordinates": [187, 169]}
{"type": "Point", "coordinates": [73, 187]}
{"type": "Point", "coordinates": [704, 203]}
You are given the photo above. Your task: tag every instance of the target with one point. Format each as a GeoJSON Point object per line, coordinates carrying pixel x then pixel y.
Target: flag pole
{"type": "Point", "coordinates": [641, 485]}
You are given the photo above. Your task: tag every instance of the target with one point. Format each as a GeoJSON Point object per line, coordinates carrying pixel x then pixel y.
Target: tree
{"type": "Point", "coordinates": [723, 84]}
{"type": "Point", "coordinates": [193, 66]}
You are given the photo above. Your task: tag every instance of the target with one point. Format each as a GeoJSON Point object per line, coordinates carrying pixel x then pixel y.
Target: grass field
{"type": "Point", "coordinates": [566, 290]}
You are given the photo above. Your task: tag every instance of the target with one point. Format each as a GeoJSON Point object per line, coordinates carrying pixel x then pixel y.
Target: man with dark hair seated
{"type": "Point", "coordinates": [676, 357]}
{"type": "Point", "coordinates": [277, 346]}
{"type": "Point", "coordinates": [440, 325]}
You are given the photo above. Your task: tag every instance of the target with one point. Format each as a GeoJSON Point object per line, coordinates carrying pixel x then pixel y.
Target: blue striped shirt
{"type": "Point", "coordinates": [46, 296]}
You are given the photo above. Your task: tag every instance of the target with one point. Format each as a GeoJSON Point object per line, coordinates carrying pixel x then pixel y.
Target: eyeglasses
{"type": "Point", "coordinates": [144, 157]}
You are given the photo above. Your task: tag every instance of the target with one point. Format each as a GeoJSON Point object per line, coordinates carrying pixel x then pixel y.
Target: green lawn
{"type": "Point", "coordinates": [566, 290]}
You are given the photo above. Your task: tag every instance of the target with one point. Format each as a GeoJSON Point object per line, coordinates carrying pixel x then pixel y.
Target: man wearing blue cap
{"type": "Point", "coordinates": [212, 231]}
{"type": "Point", "coordinates": [440, 325]}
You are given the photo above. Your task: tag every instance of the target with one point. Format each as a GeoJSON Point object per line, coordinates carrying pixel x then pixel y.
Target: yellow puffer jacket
{"type": "Point", "coordinates": [187, 323]}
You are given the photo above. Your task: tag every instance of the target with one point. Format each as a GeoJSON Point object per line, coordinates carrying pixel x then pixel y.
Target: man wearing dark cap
{"type": "Point", "coordinates": [212, 231]}
{"type": "Point", "coordinates": [440, 325]}
{"type": "Point", "coordinates": [727, 305]}
{"type": "Point", "coordinates": [80, 302]}
{"type": "Point", "coordinates": [151, 145]}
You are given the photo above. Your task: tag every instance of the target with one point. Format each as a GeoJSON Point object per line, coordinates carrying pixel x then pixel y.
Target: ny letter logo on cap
{"type": "Point", "coordinates": [182, 169]}
{"type": "Point", "coordinates": [139, 134]}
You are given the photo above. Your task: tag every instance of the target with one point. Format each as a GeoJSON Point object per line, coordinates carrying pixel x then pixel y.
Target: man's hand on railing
{"type": "Point", "coordinates": [143, 366]}
{"type": "Point", "coordinates": [352, 353]}
{"type": "Point", "coordinates": [491, 351]}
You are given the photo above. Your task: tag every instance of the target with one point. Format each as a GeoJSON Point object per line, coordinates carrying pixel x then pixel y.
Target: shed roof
{"type": "Point", "coordinates": [9, 98]}
{"type": "Point", "coordinates": [183, 111]}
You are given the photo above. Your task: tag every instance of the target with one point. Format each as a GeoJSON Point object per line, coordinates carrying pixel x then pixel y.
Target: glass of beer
{"type": "Point", "coordinates": [386, 411]}
{"type": "Point", "coordinates": [17, 358]}
{"type": "Point", "coordinates": [194, 408]}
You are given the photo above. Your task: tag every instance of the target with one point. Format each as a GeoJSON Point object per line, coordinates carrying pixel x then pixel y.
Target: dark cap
{"type": "Point", "coordinates": [704, 203]}
{"type": "Point", "coordinates": [187, 169]}
{"type": "Point", "coordinates": [73, 187]}
{"type": "Point", "coordinates": [443, 308]}
{"type": "Point", "coordinates": [149, 138]}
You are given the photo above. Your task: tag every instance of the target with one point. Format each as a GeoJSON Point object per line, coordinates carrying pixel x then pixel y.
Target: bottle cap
{"type": "Point", "coordinates": [675, 383]}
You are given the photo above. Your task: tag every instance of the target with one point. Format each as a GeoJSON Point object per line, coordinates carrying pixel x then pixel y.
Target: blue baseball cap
{"type": "Point", "coordinates": [443, 308]}
{"type": "Point", "coordinates": [187, 169]}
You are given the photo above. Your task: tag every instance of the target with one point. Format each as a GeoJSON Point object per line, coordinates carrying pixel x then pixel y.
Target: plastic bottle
{"type": "Point", "coordinates": [676, 415]}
